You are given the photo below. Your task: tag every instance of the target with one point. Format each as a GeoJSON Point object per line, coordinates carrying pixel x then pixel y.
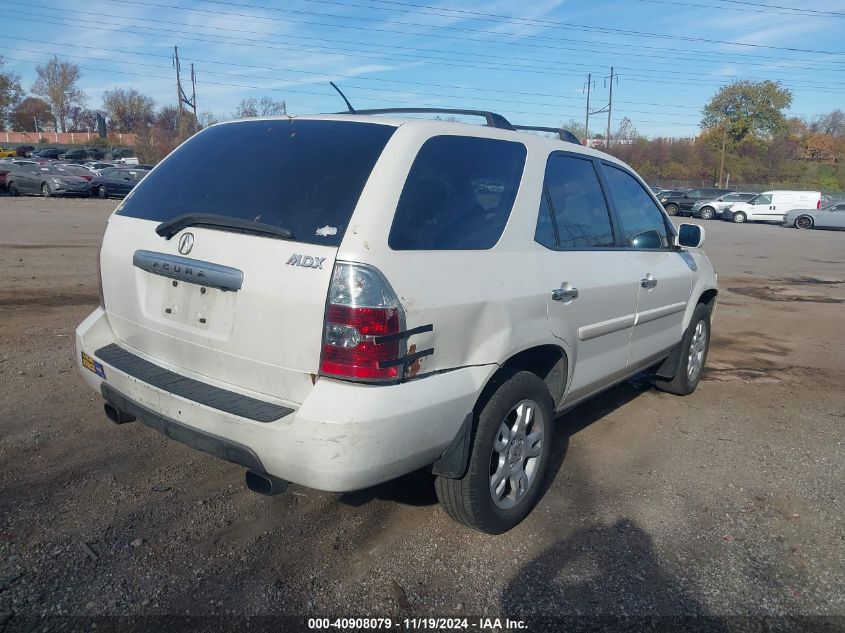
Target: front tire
{"type": "Point", "coordinates": [45, 190]}
{"type": "Point", "coordinates": [739, 217]}
{"type": "Point", "coordinates": [803, 222]}
{"type": "Point", "coordinates": [694, 348]}
{"type": "Point", "coordinates": [102, 192]}
{"type": "Point", "coordinates": [508, 457]}
{"type": "Point", "coordinates": [707, 213]}
{"type": "Point", "coordinates": [672, 209]}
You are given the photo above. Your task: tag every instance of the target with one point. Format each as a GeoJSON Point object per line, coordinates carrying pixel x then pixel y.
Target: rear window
{"type": "Point", "coordinates": [304, 176]}
{"type": "Point", "coordinates": [458, 194]}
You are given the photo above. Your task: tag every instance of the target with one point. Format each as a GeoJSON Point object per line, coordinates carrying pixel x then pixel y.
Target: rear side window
{"type": "Point", "coordinates": [304, 176]}
{"type": "Point", "coordinates": [458, 195]}
{"type": "Point", "coordinates": [642, 222]}
{"type": "Point", "coordinates": [573, 212]}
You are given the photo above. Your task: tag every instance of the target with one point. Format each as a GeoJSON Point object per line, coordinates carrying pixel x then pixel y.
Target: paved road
{"type": "Point", "coordinates": [725, 502]}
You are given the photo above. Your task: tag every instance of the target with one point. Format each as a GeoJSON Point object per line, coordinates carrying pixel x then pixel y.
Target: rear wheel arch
{"type": "Point", "coordinates": [548, 362]}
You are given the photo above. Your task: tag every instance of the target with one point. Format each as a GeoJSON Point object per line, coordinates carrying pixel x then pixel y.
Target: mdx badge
{"type": "Point", "coordinates": [306, 260]}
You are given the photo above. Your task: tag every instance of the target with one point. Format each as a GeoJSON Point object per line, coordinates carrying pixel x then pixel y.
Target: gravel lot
{"type": "Point", "coordinates": [728, 502]}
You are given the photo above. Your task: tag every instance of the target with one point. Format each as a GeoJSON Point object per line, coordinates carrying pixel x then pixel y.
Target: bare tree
{"type": "Point", "coordinates": [31, 115]}
{"type": "Point", "coordinates": [57, 83]}
{"type": "Point", "coordinates": [252, 107]}
{"type": "Point", "coordinates": [129, 110]}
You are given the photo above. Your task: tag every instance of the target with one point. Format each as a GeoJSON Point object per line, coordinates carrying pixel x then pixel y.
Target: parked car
{"type": "Point", "coordinates": [7, 153]}
{"type": "Point", "coordinates": [76, 155]}
{"type": "Point", "coordinates": [98, 166]}
{"type": "Point", "coordinates": [772, 206]}
{"type": "Point", "coordinates": [97, 153]}
{"type": "Point", "coordinates": [78, 170]}
{"type": "Point", "coordinates": [53, 180]}
{"type": "Point", "coordinates": [355, 315]}
{"type": "Point", "coordinates": [116, 182]}
{"type": "Point", "coordinates": [709, 209]}
{"type": "Point", "coordinates": [7, 166]}
{"type": "Point", "coordinates": [49, 153]}
{"type": "Point", "coordinates": [682, 204]}
{"type": "Point", "coordinates": [830, 216]}
{"type": "Point", "coordinates": [24, 151]}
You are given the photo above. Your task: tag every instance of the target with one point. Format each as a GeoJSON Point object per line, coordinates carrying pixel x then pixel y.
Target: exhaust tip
{"type": "Point", "coordinates": [116, 415]}
{"type": "Point", "coordinates": [265, 484]}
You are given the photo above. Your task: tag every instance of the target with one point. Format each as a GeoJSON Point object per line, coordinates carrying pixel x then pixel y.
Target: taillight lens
{"type": "Point", "coordinates": [361, 306]}
{"type": "Point", "coordinates": [819, 204]}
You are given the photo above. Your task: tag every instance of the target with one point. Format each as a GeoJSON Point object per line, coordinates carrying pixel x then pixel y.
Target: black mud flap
{"type": "Point", "coordinates": [453, 462]}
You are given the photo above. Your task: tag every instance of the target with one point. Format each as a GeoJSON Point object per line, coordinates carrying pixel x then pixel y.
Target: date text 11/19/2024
{"type": "Point", "coordinates": [421, 624]}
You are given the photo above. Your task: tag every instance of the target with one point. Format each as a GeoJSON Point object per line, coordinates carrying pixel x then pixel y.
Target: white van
{"type": "Point", "coordinates": [772, 206]}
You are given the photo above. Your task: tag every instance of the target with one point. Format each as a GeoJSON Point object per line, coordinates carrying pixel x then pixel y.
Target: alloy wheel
{"type": "Point", "coordinates": [516, 454]}
{"type": "Point", "coordinates": [697, 346]}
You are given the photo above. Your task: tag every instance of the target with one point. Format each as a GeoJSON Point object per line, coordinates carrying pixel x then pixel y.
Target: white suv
{"type": "Point", "coordinates": [367, 296]}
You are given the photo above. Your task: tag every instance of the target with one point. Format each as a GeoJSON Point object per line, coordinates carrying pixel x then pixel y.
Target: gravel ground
{"type": "Point", "coordinates": [724, 503]}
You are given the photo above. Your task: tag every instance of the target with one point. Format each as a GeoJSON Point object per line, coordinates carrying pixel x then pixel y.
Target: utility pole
{"type": "Point", "coordinates": [609, 108]}
{"type": "Point", "coordinates": [587, 122]}
{"type": "Point", "coordinates": [722, 162]}
{"type": "Point", "coordinates": [181, 97]}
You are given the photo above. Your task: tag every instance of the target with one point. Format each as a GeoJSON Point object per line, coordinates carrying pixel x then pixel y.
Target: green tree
{"type": "Point", "coordinates": [128, 110]}
{"type": "Point", "coordinates": [57, 84]}
{"type": "Point", "coordinates": [10, 93]}
{"type": "Point", "coordinates": [29, 113]}
{"type": "Point", "coordinates": [747, 108]}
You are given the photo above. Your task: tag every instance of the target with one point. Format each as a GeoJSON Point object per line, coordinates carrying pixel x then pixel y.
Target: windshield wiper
{"type": "Point", "coordinates": [171, 227]}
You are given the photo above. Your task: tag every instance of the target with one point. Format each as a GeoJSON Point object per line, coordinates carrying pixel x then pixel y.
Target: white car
{"type": "Point", "coordinates": [368, 296]}
{"type": "Point", "coordinates": [830, 216]}
{"type": "Point", "coordinates": [772, 206]}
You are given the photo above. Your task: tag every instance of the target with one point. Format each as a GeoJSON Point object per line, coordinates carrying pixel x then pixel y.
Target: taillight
{"type": "Point", "coordinates": [819, 204]}
{"type": "Point", "coordinates": [361, 308]}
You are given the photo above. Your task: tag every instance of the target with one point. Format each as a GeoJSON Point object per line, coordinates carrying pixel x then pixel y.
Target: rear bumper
{"type": "Point", "coordinates": [344, 436]}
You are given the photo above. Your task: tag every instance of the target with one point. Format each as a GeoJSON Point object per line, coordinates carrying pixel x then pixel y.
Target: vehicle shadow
{"type": "Point", "coordinates": [604, 577]}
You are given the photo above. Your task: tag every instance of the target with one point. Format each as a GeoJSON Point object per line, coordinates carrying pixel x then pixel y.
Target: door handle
{"type": "Point", "coordinates": [648, 281]}
{"type": "Point", "coordinates": [565, 293]}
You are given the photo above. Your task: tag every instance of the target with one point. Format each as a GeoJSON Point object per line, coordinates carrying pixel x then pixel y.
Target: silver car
{"type": "Point", "coordinates": [709, 209]}
{"type": "Point", "coordinates": [831, 216]}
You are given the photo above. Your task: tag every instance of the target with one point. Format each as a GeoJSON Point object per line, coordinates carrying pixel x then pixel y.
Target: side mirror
{"type": "Point", "coordinates": [648, 239]}
{"type": "Point", "coordinates": [690, 235]}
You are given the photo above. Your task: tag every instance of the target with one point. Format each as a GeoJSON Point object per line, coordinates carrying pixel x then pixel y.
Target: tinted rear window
{"type": "Point", "coordinates": [458, 194]}
{"type": "Point", "coordinates": [305, 176]}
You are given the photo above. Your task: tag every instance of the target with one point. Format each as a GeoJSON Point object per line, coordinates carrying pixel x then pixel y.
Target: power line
{"type": "Point", "coordinates": [807, 13]}
{"type": "Point", "coordinates": [808, 86]}
{"type": "Point", "coordinates": [462, 39]}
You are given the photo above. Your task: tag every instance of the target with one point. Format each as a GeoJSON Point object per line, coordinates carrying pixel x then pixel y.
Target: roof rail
{"type": "Point", "coordinates": [493, 119]}
{"type": "Point", "coordinates": [563, 134]}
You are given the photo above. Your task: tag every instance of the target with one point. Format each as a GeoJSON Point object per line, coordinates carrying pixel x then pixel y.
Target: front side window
{"type": "Point", "coordinates": [573, 211]}
{"type": "Point", "coordinates": [761, 199]}
{"type": "Point", "coordinates": [642, 222]}
{"type": "Point", "coordinates": [458, 194]}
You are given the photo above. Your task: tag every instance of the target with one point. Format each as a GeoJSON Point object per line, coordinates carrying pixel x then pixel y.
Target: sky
{"type": "Point", "coordinates": [526, 59]}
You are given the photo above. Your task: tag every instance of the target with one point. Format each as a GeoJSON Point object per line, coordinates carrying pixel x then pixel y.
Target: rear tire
{"type": "Point", "coordinates": [707, 213]}
{"type": "Point", "coordinates": [508, 457]}
{"type": "Point", "coordinates": [13, 191]}
{"type": "Point", "coordinates": [672, 209]}
{"type": "Point", "coordinates": [803, 222]}
{"type": "Point", "coordinates": [739, 217]}
{"type": "Point", "coordinates": [694, 348]}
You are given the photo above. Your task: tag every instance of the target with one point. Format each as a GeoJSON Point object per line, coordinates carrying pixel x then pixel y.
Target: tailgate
{"type": "Point", "coordinates": [232, 309]}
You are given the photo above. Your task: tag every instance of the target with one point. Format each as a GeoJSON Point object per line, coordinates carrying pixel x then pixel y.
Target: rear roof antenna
{"type": "Point", "coordinates": [343, 96]}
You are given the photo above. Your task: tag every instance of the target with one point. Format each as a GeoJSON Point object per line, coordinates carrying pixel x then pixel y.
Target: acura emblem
{"type": "Point", "coordinates": [186, 243]}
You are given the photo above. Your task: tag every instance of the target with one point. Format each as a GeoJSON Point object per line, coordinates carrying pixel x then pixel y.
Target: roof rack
{"type": "Point", "coordinates": [493, 119]}
{"type": "Point", "coordinates": [563, 134]}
